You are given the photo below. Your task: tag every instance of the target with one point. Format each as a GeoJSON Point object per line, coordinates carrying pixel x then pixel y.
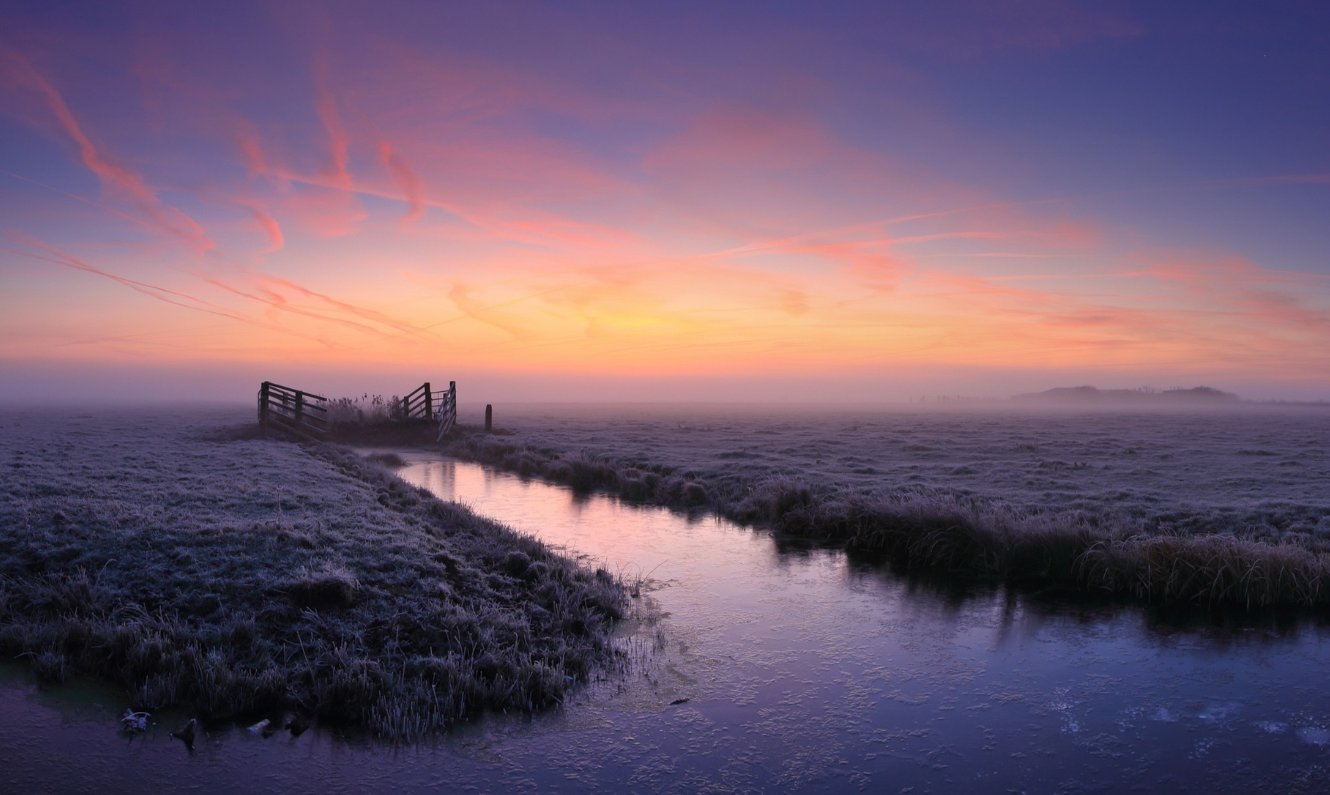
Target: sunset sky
{"type": "Point", "coordinates": [768, 200]}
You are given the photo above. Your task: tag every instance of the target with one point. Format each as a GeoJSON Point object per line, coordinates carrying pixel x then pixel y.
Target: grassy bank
{"type": "Point", "coordinates": [235, 576]}
{"type": "Point", "coordinates": [1192, 557]}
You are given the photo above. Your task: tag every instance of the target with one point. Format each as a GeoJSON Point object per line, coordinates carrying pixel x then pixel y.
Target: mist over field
{"type": "Point", "coordinates": [84, 382]}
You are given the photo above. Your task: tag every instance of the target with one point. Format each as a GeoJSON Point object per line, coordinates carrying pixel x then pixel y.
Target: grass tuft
{"type": "Point", "coordinates": [328, 586]}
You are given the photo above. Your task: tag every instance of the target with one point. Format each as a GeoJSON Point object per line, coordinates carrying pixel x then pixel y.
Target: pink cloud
{"type": "Point", "coordinates": [270, 227]}
{"type": "Point", "coordinates": [184, 300]}
{"type": "Point", "coordinates": [56, 256]}
{"type": "Point", "coordinates": [459, 117]}
{"type": "Point", "coordinates": [738, 139]}
{"type": "Point", "coordinates": [250, 144]}
{"type": "Point", "coordinates": [1275, 301]}
{"type": "Point", "coordinates": [330, 116]}
{"type": "Point", "coordinates": [324, 212]}
{"type": "Point", "coordinates": [406, 179]}
{"type": "Point", "coordinates": [867, 262]}
{"type": "Point", "coordinates": [460, 293]}
{"type": "Point", "coordinates": [278, 303]}
{"type": "Point", "coordinates": [750, 174]}
{"type": "Point", "coordinates": [117, 178]}
{"type": "Point", "coordinates": [1230, 317]}
{"type": "Point", "coordinates": [345, 306]}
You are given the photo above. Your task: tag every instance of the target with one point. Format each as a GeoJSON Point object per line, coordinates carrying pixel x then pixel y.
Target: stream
{"type": "Point", "coordinates": [760, 667]}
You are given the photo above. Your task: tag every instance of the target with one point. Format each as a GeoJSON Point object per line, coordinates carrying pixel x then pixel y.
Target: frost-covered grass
{"type": "Point", "coordinates": [235, 576]}
{"type": "Point", "coordinates": [1218, 508]}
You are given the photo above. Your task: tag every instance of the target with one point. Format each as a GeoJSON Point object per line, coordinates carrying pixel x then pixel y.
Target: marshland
{"type": "Point", "coordinates": [606, 641]}
{"type": "Point", "coordinates": [1225, 508]}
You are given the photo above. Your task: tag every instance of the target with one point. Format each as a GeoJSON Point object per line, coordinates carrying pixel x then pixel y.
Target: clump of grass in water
{"type": "Point", "coordinates": [354, 598]}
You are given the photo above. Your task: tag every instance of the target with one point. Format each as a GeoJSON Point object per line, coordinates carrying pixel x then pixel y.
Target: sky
{"type": "Point", "coordinates": [763, 201]}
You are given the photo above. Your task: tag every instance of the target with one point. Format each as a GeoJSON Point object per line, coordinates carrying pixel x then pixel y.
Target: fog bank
{"type": "Point", "coordinates": [83, 383]}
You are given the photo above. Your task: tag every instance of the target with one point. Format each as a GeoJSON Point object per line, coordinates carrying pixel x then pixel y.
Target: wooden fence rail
{"type": "Point", "coordinates": [446, 412]}
{"type": "Point", "coordinates": [293, 410]}
{"type": "Point", "coordinates": [423, 403]}
{"type": "Point", "coordinates": [419, 405]}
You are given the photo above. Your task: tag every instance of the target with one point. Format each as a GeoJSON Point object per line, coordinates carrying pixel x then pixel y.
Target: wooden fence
{"type": "Point", "coordinates": [437, 407]}
{"type": "Point", "coordinates": [292, 410]}
{"type": "Point", "coordinates": [306, 414]}
{"type": "Point", "coordinates": [419, 405]}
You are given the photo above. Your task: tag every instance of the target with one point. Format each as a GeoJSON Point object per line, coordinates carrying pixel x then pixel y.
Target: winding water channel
{"type": "Point", "coordinates": [772, 669]}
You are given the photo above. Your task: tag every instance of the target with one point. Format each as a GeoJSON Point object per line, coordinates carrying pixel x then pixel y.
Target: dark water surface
{"type": "Point", "coordinates": [801, 671]}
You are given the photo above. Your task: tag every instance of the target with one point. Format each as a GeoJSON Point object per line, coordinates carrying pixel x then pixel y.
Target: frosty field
{"type": "Point", "coordinates": [1222, 506]}
{"type": "Point", "coordinates": [764, 666]}
{"type": "Point", "coordinates": [171, 553]}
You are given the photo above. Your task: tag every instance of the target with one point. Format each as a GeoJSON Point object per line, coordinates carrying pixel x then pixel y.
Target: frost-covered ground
{"type": "Point", "coordinates": [1239, 496]}
{"type": "Point", "coordinates": [172, 553]}
{"type": "Point", "coordinates": [1236, 470]}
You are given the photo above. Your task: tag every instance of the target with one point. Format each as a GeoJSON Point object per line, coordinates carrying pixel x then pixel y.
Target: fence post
{"type": "Point", "coordinates": [452, 403]}
{"type": "Point", "coordinates": [300, 408]}
{"type": "Point", "coordinates": [489, 418]}
{"type": "Point", "coordinates": [263, 409]}
{"type": "Point", "coordinates": [429, 403]}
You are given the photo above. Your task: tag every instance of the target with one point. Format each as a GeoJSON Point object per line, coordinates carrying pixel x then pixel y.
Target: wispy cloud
{"type": "Point", "coordinates": [406, 179]}
{"type": "Point", "coordinates": [488, 314]}
{"type": "Point", "coordinates": [269, 225]}
{"type": "Point", "coordinates": [339, 143]}
{"type": "Point", "coordinates": [364, 313]}
{"type": "Point", "coordinates": [1266, 299]}
{"type": "Point", "coordinates": [49, 253]}
{"type": "Point", "coordinates": [118, 179]}
{"type": "Point", "coordinates": [249, 143]}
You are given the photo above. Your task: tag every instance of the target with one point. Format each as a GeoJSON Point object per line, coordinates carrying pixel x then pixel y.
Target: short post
{"type": "Point", "coordinates": [489, 418]}
{"type": "Point", "coordinates": [263, 409]}
{"type": "Point", "coordinates": [300, 408]}
{"type": "Point", "coordinates": [429, 403]}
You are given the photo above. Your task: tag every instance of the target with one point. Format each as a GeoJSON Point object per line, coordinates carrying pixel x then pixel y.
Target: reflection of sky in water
{"type": "Point", "coordinates": [802, 671]}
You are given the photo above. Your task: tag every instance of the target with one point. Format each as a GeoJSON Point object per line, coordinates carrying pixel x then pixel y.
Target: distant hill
{"type": "Point", "coordinates": [1089, 395]}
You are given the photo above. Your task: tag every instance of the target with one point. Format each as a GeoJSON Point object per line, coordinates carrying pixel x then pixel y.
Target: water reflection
{"type": "Point", "coordinates": [798, 653]}
{"type": "Point", "coordinates": [774, 667]}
